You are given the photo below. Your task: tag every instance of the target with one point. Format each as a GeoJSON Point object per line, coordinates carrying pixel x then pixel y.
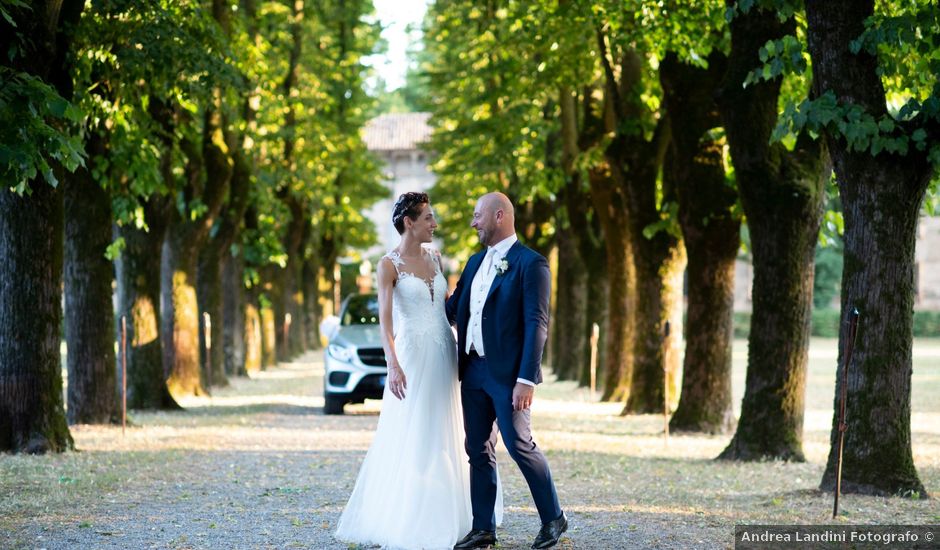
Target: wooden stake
{"type": "Point", "coordinates": [666, 328]}
{"type": "Point", "coordinates": [123, 374]}
{"type": "Point", "coordinates": [595, 336]}
{"type": "Point", "coordinates": [207, 322]}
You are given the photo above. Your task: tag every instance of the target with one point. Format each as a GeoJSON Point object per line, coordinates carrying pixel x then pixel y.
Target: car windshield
{"type": "Point", "coordinates": [361, 310]}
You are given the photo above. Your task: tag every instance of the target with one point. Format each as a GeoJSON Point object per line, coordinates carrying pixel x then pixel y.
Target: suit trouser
{"type": "Point", "coordinates": [487, 407]}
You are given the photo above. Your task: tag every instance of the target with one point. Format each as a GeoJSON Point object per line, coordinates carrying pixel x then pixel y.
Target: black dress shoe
{"type": "Point", "coordinates": [551, 532]}
{"type": "Point", "coordinates": [476, 538]}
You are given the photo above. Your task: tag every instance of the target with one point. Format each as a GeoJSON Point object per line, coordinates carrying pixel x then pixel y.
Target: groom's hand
{"type": "Point", "coordinates": [522, 396]}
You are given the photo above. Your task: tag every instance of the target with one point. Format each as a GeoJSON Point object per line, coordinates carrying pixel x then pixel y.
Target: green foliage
{"type": "Point", "coordinates": [144, 72]}
{"type": "Point", "coordinates": [905, 36]}
{"type": "Point", "coordinates": [779, 57]}
{"type": "Point", "coordinates": [668, 222]}
{"type": "Point", "coordinates": [827, 280]}
{"type": "Point", "coordinates": [38, 131]}
{"type": "Point", "coordinates": [493, 118]}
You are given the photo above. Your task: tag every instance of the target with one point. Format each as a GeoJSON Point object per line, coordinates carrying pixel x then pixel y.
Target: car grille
{"type": "Point", "coordinates": [374, 357]}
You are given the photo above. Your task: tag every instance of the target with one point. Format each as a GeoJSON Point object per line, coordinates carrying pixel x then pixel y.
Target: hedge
{"type": "Point", "coordinates": [825, 323]}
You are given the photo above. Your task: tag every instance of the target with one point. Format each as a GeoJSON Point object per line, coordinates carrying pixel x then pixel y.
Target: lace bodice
{"type": "Point", "coordinates": [418, 303]}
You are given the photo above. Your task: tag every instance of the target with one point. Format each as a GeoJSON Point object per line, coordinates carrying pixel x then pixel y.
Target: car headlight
{"type": "Point", "coordinates": [339, 352]}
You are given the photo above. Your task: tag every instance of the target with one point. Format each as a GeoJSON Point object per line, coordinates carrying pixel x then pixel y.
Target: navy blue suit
{"type": "Point", "coordinates": [515, 328]}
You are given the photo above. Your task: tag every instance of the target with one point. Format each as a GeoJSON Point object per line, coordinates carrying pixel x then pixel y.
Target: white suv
{"type": "Point", "coordinates": [354, 359]}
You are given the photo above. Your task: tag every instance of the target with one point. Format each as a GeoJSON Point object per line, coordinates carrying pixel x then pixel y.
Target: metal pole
{"type": "Point", "coordinates": [665, 384]}
{"type": "Point", "coordinates": [207, 322]}
{"type": "Point", "coordinates": [849, 347]}
{"type": "Point", "coordinates": [595, 336]}
{"type": "Point", "coordinates": [123, 374]}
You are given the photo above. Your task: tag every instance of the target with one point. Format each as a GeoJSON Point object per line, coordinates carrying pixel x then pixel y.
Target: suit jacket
{"type": "Point", "coordinates": [515, 315]}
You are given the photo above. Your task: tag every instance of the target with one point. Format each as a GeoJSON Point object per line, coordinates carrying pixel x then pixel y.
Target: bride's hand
{"type": "Point", "coordinates": [396, 380]}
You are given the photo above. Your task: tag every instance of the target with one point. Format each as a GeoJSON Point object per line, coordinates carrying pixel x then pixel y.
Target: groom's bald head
{"type": "Point", "coordinates": [493, 218]}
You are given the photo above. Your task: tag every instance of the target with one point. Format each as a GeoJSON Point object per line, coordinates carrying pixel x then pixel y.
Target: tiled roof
{"type": "Point", "coordinates": [397, 132]}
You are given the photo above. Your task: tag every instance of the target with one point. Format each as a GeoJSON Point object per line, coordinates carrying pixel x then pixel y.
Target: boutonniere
{"type": "Point", "coordinates": [502, 267]}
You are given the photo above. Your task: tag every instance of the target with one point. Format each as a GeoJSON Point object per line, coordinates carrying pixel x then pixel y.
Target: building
{"type": "Point", "coordinates": [396, 139]}
{"type": "Point", "coordinates": [927, 265]}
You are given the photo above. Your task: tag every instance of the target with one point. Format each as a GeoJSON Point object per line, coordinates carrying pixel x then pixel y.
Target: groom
{"type": "Point", "coordinates": [500, 306]}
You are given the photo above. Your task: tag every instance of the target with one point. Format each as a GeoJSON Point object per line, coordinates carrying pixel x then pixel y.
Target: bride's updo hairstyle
{"type": "Point", "coordinates": [408, 204]}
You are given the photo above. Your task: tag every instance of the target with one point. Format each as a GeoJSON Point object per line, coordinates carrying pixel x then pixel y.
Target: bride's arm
{"type": "Point", "coordinates": [387, 275]}
{"type": "Point", "coordinates": [440, 267]}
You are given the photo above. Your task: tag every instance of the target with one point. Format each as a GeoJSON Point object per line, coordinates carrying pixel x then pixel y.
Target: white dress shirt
{"type": "Point", "coordinates": [480, 289]}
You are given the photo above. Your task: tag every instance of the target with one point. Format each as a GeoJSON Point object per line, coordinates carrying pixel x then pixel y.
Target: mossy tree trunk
{"type": "Point", "coordinates": [219, 293]}
{"type": "Point", "coordinates": [658, 260]}
{"type": "Point", "coordinates": [207, 175]}
{"type": "Point", "coordinates": [569, 339]}
{"type": "Point", "coordinates": [292, 296]}
{"type": "Point", "coordinates": [605, 246]}
{"type": "Point", "coordinates": [253, 336]}
{"type": "Point", "coordinates": [578, 243]}
{"type": "Point", "coordinates": [213, 258]}
{"type": "Point", "coordinates": [313, 312]}
{"type": "Point", "coordinates": [881, 201]}
{"type": "Point", "coordinates": [617, 371]}
{"type": "Point", "coordinates": [711, 233]}
{"type": "Point", "coordinates": [580, 133]}
{"type": "Point", "coordinates": [138, 285]}
{"type": "Point", "coordinates": [32, 417]}
{"type": "Point", "coordinates": [268, 337]}
{"type": "Point", "coordinates": [783, 195]}
{"type": "Point", "coordinates": [89, 312]}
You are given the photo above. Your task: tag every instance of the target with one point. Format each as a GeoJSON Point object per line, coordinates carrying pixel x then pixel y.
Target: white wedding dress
{"type": "Point", "coordinates": [413, 490]}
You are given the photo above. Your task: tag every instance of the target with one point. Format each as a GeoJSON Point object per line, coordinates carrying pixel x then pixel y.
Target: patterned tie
{"type": "Point", "coordinates": [488, 261]}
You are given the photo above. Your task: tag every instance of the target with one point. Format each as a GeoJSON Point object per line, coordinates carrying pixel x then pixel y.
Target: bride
{"type": "Point", "coordinates": [413, 490]}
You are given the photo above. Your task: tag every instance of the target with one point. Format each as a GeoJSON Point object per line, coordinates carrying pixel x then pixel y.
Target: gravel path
{"type": "Point", "coordinates": [258, 465]}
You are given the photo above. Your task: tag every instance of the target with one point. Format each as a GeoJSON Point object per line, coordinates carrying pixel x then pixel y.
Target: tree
{"type": "Point", "coordinates": [35, 44]}
{"type": "Point", "coordinates": [711, 230]}
{"type": "Point", "coordinates": [89, 313]}
{"type": "Point", "coordinates": [634, 155]}
{"type": "Point", "coordinates": [783, 195]}
{"type": "Point", "coordinates": [884, 160]}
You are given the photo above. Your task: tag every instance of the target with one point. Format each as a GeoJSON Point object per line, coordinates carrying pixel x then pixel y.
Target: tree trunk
{"type": "Point", "coordinates": [207, 176]}
{"type": "Point", "coordinates": [576, 136]}
{"type": "Point", "coordinates": [711, 233]}
{"type": "Point", "coordinates": [783, 194]}
{"type": "Point", "coordinates": [634, 163]}
{"type": "Point", "coordinates": [268, 337]}
{"type": "Point", "coordinates": [234, 328]}
{"type": "Point", "coordinates": [181, 314]}
{"type": "Point", "coordinates": [312, 307]}
{"type": "Point", "coordinates": [598, 312]}
{"type": "Point", "coordinates": [210, 299]}
{"type": "Point", "coordinates": [621, 278]}
{"type": "Point", "coordinates": [89, 311]}
{"type": "Point", "coordinates": [881, 200]}
{"type": "Point", "coordinates": [295, 295]}
{"type": "Point", "coordinates": [253, 338]}
{"type": "Point", "coordinates": [32, 418]}
{"type": "Point", "coordinates": [570, 317]}
{"type": "Point", "coordinates": [138, 278]}
{"type": "Point", "coordinates": [659, 262]}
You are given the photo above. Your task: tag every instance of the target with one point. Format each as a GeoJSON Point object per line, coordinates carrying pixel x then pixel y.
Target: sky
{"type": "Point", "coordinates": [395, 16]}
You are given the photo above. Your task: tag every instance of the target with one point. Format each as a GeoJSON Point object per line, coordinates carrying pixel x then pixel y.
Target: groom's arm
{"type": "Point", "coordinates": [536, 288]}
